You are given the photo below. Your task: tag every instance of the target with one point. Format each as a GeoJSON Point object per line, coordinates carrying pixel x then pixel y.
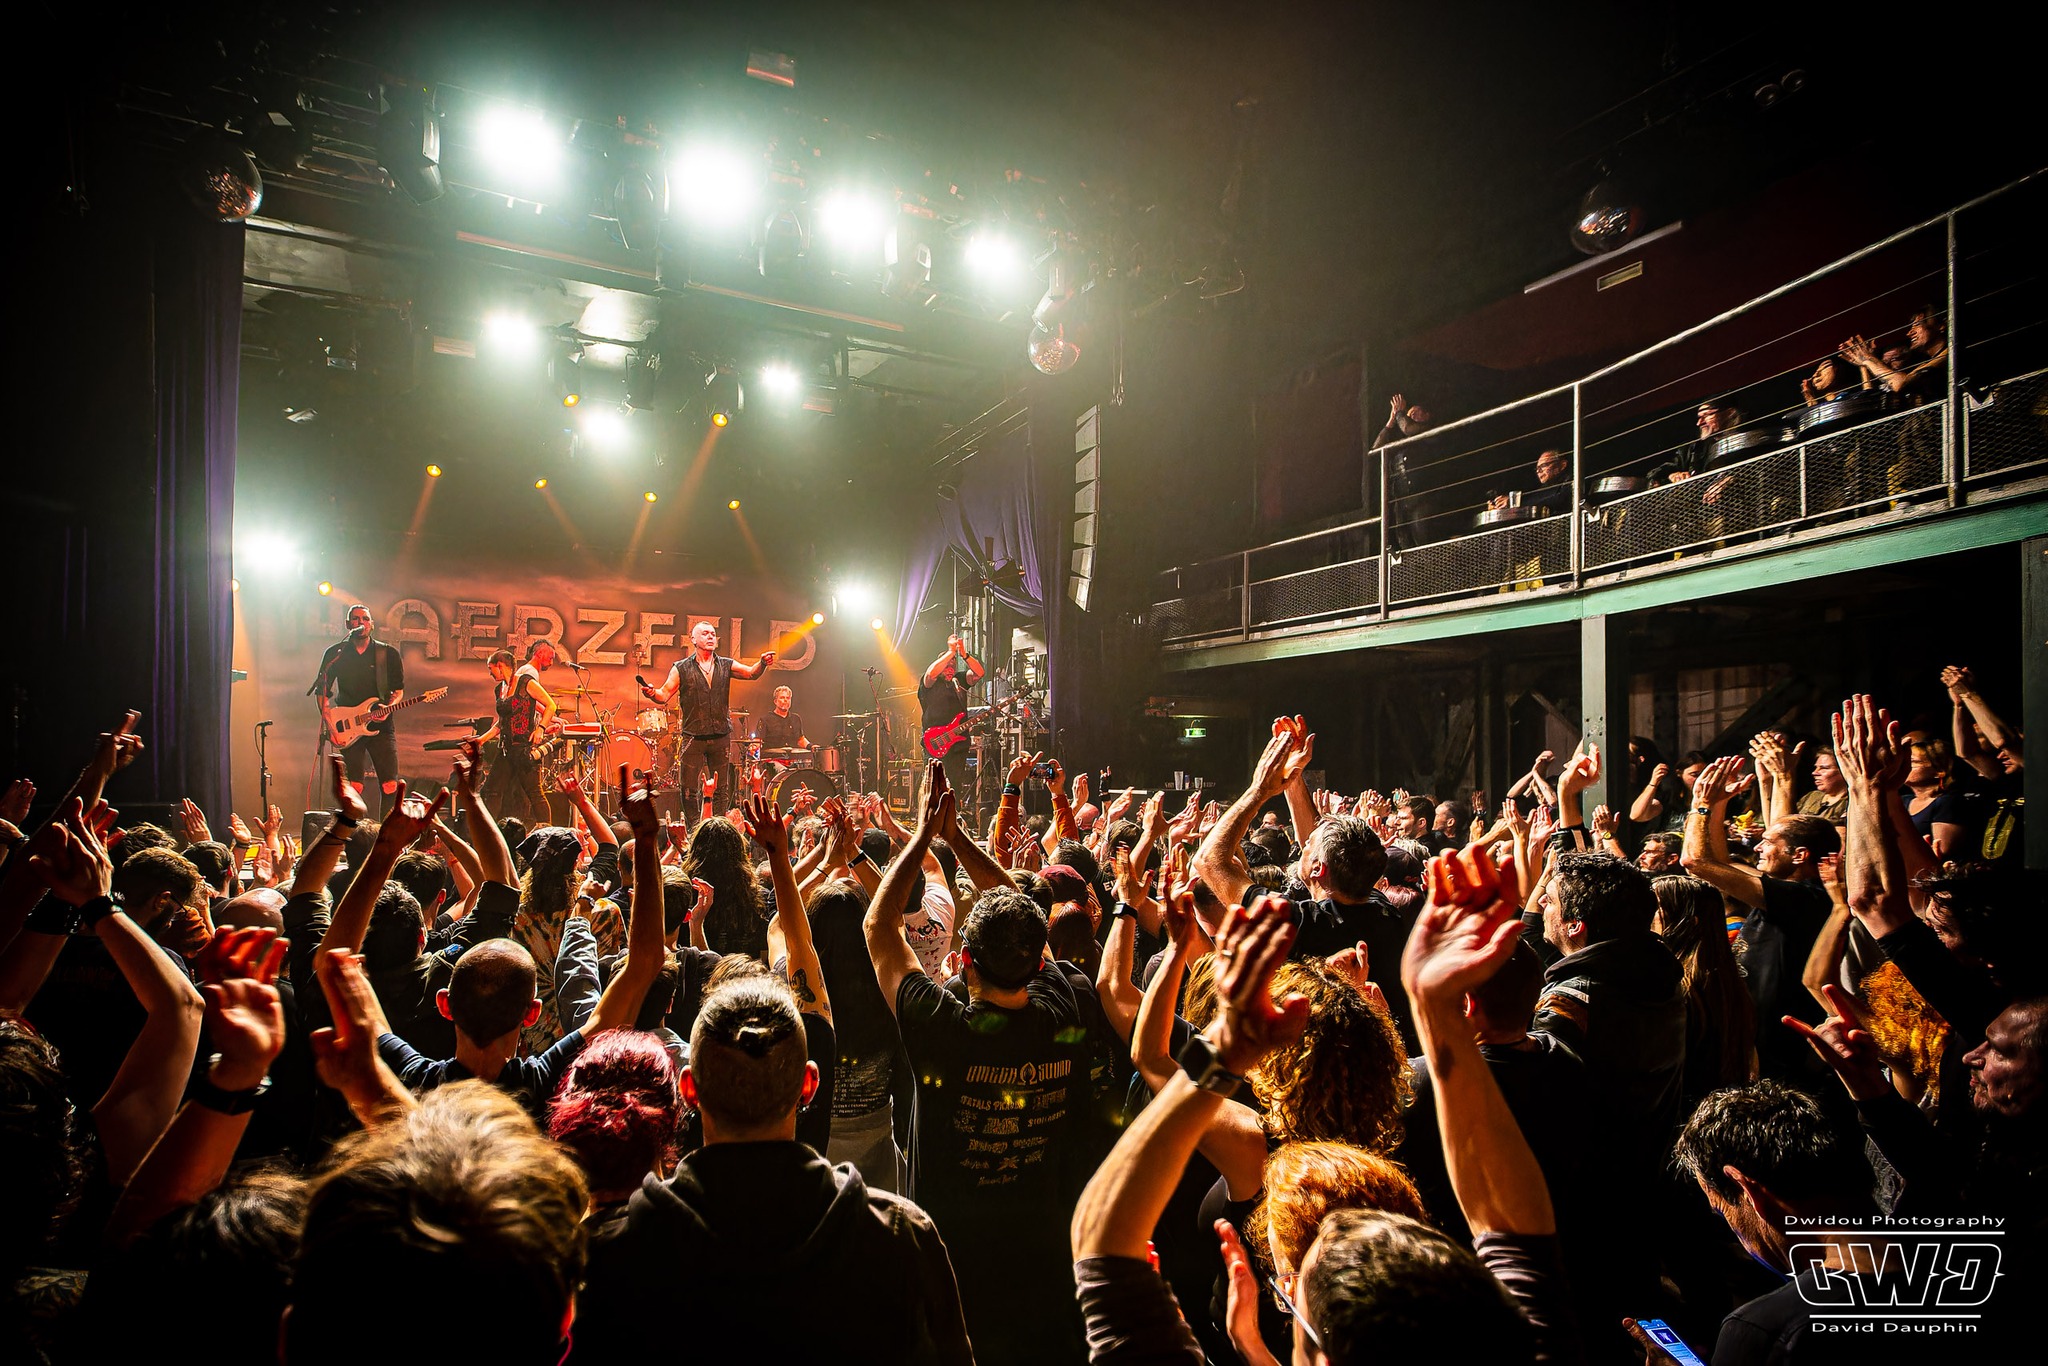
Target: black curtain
{"type": "Point", "coordinates": [120, 507]}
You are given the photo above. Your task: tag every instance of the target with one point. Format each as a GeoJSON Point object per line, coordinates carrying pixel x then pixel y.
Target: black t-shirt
{"type": "Point", "coordinates": [352, 674]}
{"type": "Point", "coordinates": [1773, 946]}
{"type": "Point", "coordinates": [1001, 1096]}
{"type": "Point", "coordinates": [1327, 927]}
{"type": "Point", "coordinates": [942, 699]}
{"type": "Point", "coordinates": [530, 1081]}
{"type": "Point", "coordinates": [781, 732]}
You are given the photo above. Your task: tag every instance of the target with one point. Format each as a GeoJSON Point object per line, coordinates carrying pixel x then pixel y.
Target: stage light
{"type": "Point", "coordinates": [605, 428]}
{"type": "Point", "coordinates": [817, 618]}
{"type": "Point", "coordinates": [1052, 351]}
{"type": "Point", "coordinates": [714, 186]}
{"type": "Point", "coordinates": [519, 143]}
{"type": "Point", "coordinates": [853, 222]}
{"type": "Point", "coordinates": [853, 597]}
{"type": "Point", "coordinates": [540, 483]}
{"type": "Point", "coordinates": [875, 624]}
{"type": "Point", "coordinates": [510, 336]}
{"type": "Point", "coordinates": [719, 420]}
{"type": "Point", "coordinates": [571, 400]}
{"type": "Point", "coordinates": [326, 589]}
{"type": "Point", "coordinates": [433, 471]}
{"type": "Point", "coordinates": [780, 380]}
{"type": "Point", "coordinates": [265, 552]}
{"type": "Point", "coordinates": [649, 495]}
{"type": "Point", "coordinates": [733, 506]}
{"type": "Point", "coordinates": [724, 399]}
{"type": "Point", "coordinates": [994, 258]}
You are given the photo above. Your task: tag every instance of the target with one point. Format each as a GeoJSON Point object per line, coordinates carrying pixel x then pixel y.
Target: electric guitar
{"type": "Point", "coordinates": [348, 726]}
{"type": "Point", "coordinates": [940, 739]}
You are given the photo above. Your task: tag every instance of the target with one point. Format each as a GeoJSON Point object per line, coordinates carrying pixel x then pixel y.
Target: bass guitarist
{"type": "Point", "coordinates": [942, 694]}
{"type": "Point", "coordinates": [526, 712]}
{"type": "Point", "coordinates": [356, 670]}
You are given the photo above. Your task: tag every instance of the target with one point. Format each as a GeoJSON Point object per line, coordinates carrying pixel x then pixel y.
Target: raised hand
{"type": "Point", "coordinates": [1831, 878]}
{"type": "Point", "coordinates": [1467, 929]}
{"type": "Point", "coordinates": [767, 826]}
{"type": "Point", "coordinates": [1848, 1050]}
{"type": "Point", "coordinates": [1957, 680]}
{"type": "Point", "coordinates": [1767, 748]}
{"type": "Point", "coordinates": [239, 829]}
{"type": "Point", "coordinates": [1249, 1022]}
{"type": "Point", "coordinates": [701, 906]}
{"type": "Point", "coordinates": [1118, 807]}
{"type": "Point", "coordinates": [117, 748]}
{"type": "Point", "coordinates": [1020, 769]}
{"type": "Point", "coordinates": [1241, 1311]}
{"type": "Point", "coordinates": [1869, 747]}
{"type": "Point", "coordinates": [273, 821]}
{"type": "Point", "coordinates": [936, 812]}
{"type": "Point", "coordinates": [1153, 814]}
{"type": "Point", "coordinates": [637, 807]}
{"type": "Point", "coordinates": [1057, 778]}
{"type": "Point", "coordinates": [244, 1016]}
{"type": "Point", "coordinates": [572, 786]}
{"type": "Point", "coordinates": [1183, 927]}
{"type": "Point", "coordinates": [1512, 817]}
{"type": "Point", "coordinates": [347, 800]}
{"type": "Point", "coordinates": [1354, 965]}
{"type": "Point", "coordinates": [411, 816]}
{"type": "Point", "coordinates": [70, 855]}
{"type": "Point", "coordinates": [1542, 825]}
{"type": "Point", "coordinates": [1581, 772]}
{"type": "Point", "coordinates": [192, 821]}
{"type": "Point", "coordinates": [1721, 781]}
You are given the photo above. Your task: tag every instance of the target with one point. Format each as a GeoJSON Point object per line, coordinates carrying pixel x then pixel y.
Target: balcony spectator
{"type": "Point", "coordinates": [1914, 371]}
{"type": "Point", "coordinates": [1552, 491]}
{"type": "Point", "coordinates": [1404, 509]}
{"type": "Point", "coordinates": [1832, 379]}
{"type": "Point", "coordinates": [1714, 419]}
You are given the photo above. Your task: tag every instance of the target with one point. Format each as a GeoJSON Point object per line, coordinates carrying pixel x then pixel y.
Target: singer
{"type": "Point", "coordinates": [361, 669]}
{"type": "Point", "coordinates": [704, 678]}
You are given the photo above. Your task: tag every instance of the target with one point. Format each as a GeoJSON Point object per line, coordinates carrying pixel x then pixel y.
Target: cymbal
{"type": "Point", "coordinates": [577, 692]}
{"type": "Point", "coordinates": [853, 716]}
{"type": "Point", "coordinates": [741, 712]}
{"type": "Point", "coordinates": [442, 744]}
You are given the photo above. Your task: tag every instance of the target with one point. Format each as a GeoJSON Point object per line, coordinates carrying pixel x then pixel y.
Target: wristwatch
{"type": "Point", "coordinates": [91, 913]}
{"type": "Point", "coordinates": [206, 1094]}
{"type": "Point", "coordinates": [1204, 1066]}
{"type": "Point", "coordinates": [1122, 909]}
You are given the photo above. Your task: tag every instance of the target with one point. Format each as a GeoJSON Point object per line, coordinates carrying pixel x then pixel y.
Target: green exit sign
{"type": "Point", "coordinates": [1194, 732]}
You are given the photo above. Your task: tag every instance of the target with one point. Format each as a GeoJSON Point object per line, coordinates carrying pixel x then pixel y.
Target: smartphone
{"type": "Point", "coordinates": [1041, 770]}
{"type": "Point", "coordinates": [1665, 1339]}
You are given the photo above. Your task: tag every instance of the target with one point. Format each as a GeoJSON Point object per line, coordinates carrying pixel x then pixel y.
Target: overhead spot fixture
{"type": "Point", "coordinates": [817, 618]}
{"type": "Point", "coordinates": [433, 471]}
{"type": "Point", "coordinates": [994, 258]}
{"type": "Point", "coordinates": [875, 624]}
{"type": "Point", "coordinates": [264, 552]}
{"type": "Point", "coordinates": [519, 144]}
{"type": "Point", "coordinates": [719, 420]}
{"type": "Point", "coordinates": [780, 380]}
{"type": "Point", "coordinates": [326, 589]}
{"type": "Point", "coordinates": [571, 400]}
{"type": "Point", "coordinates": [723, 395]}
{"type": "Point", "coordinates": [854, 223]}
{"type": "Point", "coordinates": [714, 186]}
{"type": "Point", "coordinates": [733, 505]}
{"type": "Point", "coordinates": [605, 428]}
{"type": "Point", "coordinates": [540, 483]}
{"type": "Point", "coordinates": [510, 336]}
{"type": "Point", "coordinates": [649, 495]}
{"type": "Point", "coordinates": [1608, 217]}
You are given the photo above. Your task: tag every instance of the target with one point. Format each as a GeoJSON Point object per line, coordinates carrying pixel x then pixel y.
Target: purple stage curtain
{"type": "Point", "coordinates": [990, 524]}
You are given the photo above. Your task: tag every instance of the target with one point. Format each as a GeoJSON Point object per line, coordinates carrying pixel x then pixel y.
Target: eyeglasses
{"type": "Point", "coordinates": [1293, 1311]}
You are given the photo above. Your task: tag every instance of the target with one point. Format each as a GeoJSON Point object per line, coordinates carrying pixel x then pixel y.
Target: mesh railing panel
{"type": "Point", "coordinates": [2008, 430]}
{"type": "Point", "coordinates": [1335, 590]}
{"type": "Point", "coordinates": [1196, 615]}
{"type": "Point", "coordinates": [1522, 555]}
{"type": "Point", "coordinates": [1892, 458]}
{"type": "Point", "coordinates": [1705, 510]}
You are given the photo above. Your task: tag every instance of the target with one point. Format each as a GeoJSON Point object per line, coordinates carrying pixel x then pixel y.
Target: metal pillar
{"type": "Point", "coordinates": [2034, 687]}
{"type": "Point", "coordinates": [1604, 676]}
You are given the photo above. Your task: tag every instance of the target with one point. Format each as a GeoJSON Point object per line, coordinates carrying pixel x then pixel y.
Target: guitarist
{"type": "Point", "coordinates": [525, 710]}
{"type": "Point", "coordinates": [942, 693]}
{"type": "Point", "coordinates": [360, 669]}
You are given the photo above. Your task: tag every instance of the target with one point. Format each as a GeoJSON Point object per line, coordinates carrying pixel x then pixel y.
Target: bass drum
{"type": "Point", "coordinates": [629, 749]}
{"type": "Point", "coordinates": [784, 785]}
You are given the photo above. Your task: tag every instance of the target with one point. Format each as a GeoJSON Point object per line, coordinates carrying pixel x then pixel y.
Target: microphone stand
{"type": "Point", "coordinates": [263, 767]}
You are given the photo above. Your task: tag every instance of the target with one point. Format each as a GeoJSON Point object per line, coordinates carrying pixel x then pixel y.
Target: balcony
{"type": "Point", "coordinates": [1794, 488]}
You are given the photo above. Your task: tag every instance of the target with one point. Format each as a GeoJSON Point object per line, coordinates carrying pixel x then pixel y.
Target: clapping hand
{"type": "Point", "coordinates": [1869, 748]}
{"type": "Point", "coordinates": [1721, 782]}
{"type": "Point", "coordinates": [767, 826]}
{"type": "Point", "coordinates": [1353, 965]}
{"type": "Point", "coordinates": [1603, 821]}
{"type": "Point", "coordinates": [193, 821]}
{"type": "Point", "coordinates": [1249, 1023]}
{"type": "Point", "coordinates": [411, 816]}
{"type": "Point", "coordinates": [1467, 929]}
{"type": "Point", "coordinates": [244, 1016]}
{"type": "Point", "coordinates": [347, 800]}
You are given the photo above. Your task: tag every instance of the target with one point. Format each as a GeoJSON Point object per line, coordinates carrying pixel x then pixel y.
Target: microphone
{"type": "Point", "coordinates": [637, 678]}
{"type": "Point", "coordinates": [261, 724]}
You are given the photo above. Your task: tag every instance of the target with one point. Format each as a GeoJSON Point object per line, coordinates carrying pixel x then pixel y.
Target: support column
{"type": "Point", "coordinates": [1604, 673]}
{"type": "Point", "coordinates": [2034, 689]}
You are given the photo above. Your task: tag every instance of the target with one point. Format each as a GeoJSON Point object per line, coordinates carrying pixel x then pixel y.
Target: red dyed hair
{"type": "Point", "coordinates": [618, 1109]}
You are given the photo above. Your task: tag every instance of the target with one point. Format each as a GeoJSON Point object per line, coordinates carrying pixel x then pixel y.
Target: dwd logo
{"type": "Point", "coordinates": [1911, 1274]}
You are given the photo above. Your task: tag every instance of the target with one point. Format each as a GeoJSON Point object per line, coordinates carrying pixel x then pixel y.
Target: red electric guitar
{"type": "Point", "coordinates": [940, 739]}
{"type": "Point", "coordinates": [349, 725]}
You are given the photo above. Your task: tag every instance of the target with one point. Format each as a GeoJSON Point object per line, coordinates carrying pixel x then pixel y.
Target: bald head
{"type": "Point", "coordinates": [260, 909]}
{"type": "Point", "coordinates": [491, 990]}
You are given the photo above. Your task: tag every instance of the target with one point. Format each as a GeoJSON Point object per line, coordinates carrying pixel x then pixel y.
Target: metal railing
{"type": "Point", "coordinates": [1980, 432]}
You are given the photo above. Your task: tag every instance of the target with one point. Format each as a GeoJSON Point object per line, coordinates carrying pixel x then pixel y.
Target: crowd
{"type": "Point", "coordinates": [1310, 1077]}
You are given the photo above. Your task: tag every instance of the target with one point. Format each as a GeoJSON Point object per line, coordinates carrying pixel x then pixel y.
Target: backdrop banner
{"type": "Point", "coordinates": [446, 621]}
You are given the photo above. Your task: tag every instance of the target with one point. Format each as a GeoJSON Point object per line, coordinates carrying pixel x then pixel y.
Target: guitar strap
{"type": "Point", "coordinates": [383, 683]}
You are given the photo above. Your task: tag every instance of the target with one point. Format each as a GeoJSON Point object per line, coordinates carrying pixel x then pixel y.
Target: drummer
{"type": "Point", "coordinates": [782, 728]}
{"type": "Point", "coordinates": [1553, 492]}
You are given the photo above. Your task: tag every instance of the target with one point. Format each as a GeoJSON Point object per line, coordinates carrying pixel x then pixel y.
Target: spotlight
{"type": "Point", "coordinates": [875, 624]}
{"type": "Point", "coordinates": [733, 506]}
{"type": "Point", "coordinates": [510, 336]}
{"type": "Point", "coordinates": [1608, 217]}
{"type": "Point", "coordinates": [234, 585]}
{"type": "Point", "coordinates": [723, 395]}
{"type": "Point", "coordinates": [715, 186]}
{"type": "Point", "coordinates": [719, 419]}
{"type": "Point", "coordinates": [571, 400]}
{"type": "Point", "coordinates": [854, 597]}
{"type": "Point", "coordinates": [649, 495]}
{"type": "Point", "coordinates": [817, 618]}
{"type": "Point", "coordinates": [853, 222]}
{"type": "Point", "coordinates": [1052, 351]}
{"type": "Point", "coordinates": [994, 258]}
{"type": "Point", "coordinates": [265, 552]}
{"type": "Point", "coordinates": [326, 589]}
{"type": "Point", "coordinates": [780, 380]}
{"type": "Point", "coordinates": [433, 471]}
{"type": "Point", "coordinates": [519, 143]}
{"type": "Point", "coordinates": [605, 428]}
{"type": "Point", "coordinates": [540, 483]}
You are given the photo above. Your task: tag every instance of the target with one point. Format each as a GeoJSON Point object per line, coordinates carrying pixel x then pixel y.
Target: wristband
{"type": "Point", "coordinates": [97, 909]}
{"type": "Point", "coordinates": [1571, 829]}
{"type": "Point", "coordinates": [1122, 909]}
{"type": "Point", "coordinates": [343, 821]}
{"type": "Point", "coordinates": [1703, 811]}
{"type": "Point", "coordinates": [1204, 1066]}
{"type": "Point", "coordinates": [52, 915]}
{"type": "Point", "coordinates": [208, 1096]}
{"type": "Point", "coordinates": [1012, 790]}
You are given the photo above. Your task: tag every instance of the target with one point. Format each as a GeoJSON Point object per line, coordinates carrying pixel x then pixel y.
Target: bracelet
{"type": "Point", "coordinates": [1012, 790]}
{"type": "Point", "coordinates": [1571, 829]}
{"type": "Point", "coordinates": [97, 909]}
{"type": "Point", "coordinates": [52, 915]}
{"type": "Point", "coordinates": [1703, 811]}
{"type": "Point", "coordinates": [208, 1096]}
{"type": "Point", "coordinates": [343, 821]}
